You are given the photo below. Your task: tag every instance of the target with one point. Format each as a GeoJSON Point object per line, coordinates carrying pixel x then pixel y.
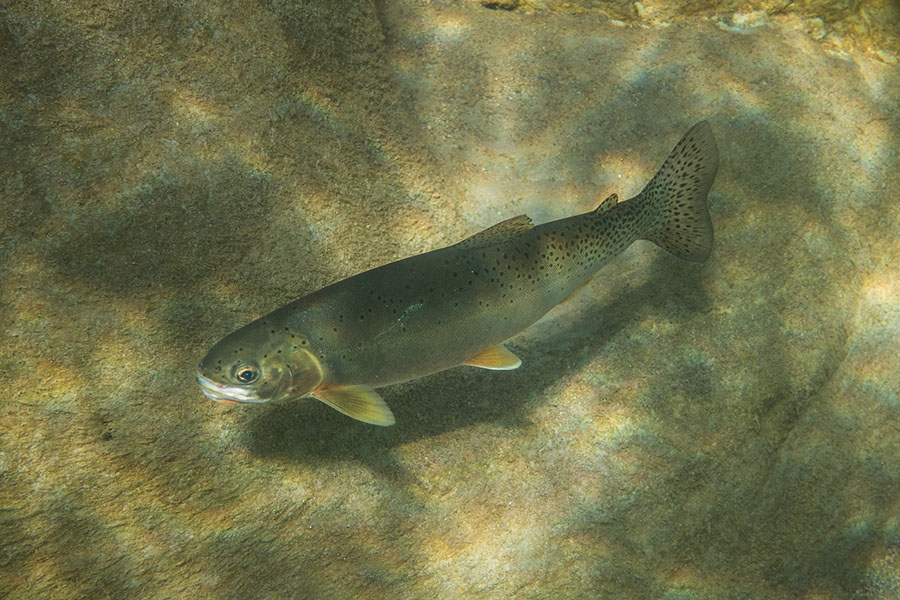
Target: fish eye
{"type": "Point", "coordinates": [246, 373]}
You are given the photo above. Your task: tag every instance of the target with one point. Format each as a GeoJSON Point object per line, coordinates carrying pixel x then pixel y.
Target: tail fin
{"type": "Point", "coordinates": [678, 192]}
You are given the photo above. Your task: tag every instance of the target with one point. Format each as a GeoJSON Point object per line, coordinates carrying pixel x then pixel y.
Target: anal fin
{"type": "Point", "coordinates": [358, 401]}
{"type": "Point", "coordinates": [496, 358]}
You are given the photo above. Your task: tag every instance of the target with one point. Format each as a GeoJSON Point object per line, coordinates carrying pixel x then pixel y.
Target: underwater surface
{"type": "Point", "coordinates": [171, 171]}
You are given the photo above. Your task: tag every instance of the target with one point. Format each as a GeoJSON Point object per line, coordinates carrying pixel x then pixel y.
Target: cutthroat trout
{"type": "Point", "coordinates": [457, 305]}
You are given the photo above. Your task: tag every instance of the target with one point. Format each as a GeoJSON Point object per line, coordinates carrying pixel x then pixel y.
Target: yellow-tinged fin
{"type": "Point", "coordinates": [607, 204]}
{"type": "Point", "coordinates": [499, 233]}
{"type": "Point", "coordinates": [496, 358]}
{"type": "Point", "coordinates": [358, 401]}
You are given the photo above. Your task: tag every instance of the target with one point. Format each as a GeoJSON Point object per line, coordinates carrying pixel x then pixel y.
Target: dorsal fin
{"type": "Point", "coordinates": [607, 204]}
{"type": "Point", "coordinates": [499, 233]}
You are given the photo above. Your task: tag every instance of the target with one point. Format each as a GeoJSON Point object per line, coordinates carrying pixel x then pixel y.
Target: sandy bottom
{"type": "Point", "coordinates": [728, 430]}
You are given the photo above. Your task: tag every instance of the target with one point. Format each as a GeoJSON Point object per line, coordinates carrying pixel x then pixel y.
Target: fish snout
{"type": "Point", "coordinates": [224, 393]}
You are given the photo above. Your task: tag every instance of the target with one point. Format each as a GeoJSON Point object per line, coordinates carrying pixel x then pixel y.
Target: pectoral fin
{"type": "Point", "coordinates": [496, 358]}
{"type": "Point", "coordinates": [358, 401]}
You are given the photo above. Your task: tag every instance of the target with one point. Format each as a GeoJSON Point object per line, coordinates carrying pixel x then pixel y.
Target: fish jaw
{"type": "Point", "coordinates": [226, 394]}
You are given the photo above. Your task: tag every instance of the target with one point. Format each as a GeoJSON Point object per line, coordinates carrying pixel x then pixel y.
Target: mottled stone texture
{"type": "Point", "coordinates": [171, 170]}
{"type": "Point", "coordinates": [868, 25]}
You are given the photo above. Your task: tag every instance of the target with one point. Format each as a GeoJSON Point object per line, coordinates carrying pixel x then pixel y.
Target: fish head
{"type": "Point", "coordinates": [249, 366]}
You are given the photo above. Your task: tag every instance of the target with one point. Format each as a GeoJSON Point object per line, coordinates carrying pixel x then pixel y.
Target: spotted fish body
{"type": "Point", "coordinates": [456, 305]}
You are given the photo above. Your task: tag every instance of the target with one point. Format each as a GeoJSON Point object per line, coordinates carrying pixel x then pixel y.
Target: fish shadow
{"type": "Point", "coordinates": [307, 431]}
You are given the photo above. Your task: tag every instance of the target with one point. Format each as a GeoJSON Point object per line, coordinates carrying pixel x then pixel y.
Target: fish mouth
{"type": "Point", "coordinates": [227, 394]}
